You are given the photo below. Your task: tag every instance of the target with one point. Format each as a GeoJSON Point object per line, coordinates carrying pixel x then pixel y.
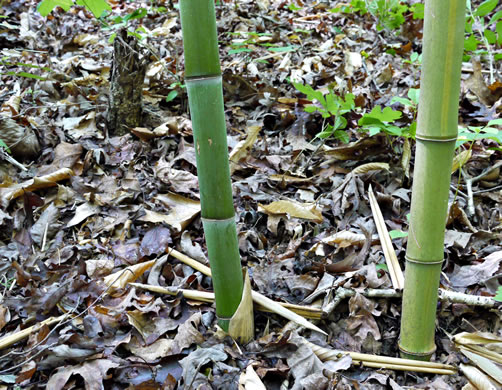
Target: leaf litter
{"type": "Point", "coordinates": [93, 212]}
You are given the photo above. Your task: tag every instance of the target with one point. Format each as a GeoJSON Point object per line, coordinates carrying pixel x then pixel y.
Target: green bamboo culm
{"type": "Point", "coordinates": [205, 97]}
{"type": "Point", "coordinates": [437, 126]}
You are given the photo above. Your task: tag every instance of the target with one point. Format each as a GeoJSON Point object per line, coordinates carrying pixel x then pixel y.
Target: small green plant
{"type": "Point", "coordinates": [475, 133]}
{"type": "Point", "coordinates": [250, 39]}
{"type": "Point", "coordinates": [332, 108]}
{"type": "Point", "coordinates": [97, 7]}
{"type": "Point", "coordinates": [388, 13]}
{"type": "Point", "coordinates": [498, 296]}
{"type": "Point", "coordinates": [481, 31]}
{"type": "Point", "coordinates": [7, 62]}
{"type": "Point", "coordinates": [381, 120]}
{"type": "Point", "coordinates": [175, 88]}
{"type": "Point", "coordinates": [3, 146]}
{"type": "Point", "coordinates": [415, 59]}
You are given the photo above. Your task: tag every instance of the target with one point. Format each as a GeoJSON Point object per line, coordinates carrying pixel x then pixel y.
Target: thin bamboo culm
{"type": "Point", "coordinates": [436, 135]}
{"type": "Point", "coordinates": [205, 97]}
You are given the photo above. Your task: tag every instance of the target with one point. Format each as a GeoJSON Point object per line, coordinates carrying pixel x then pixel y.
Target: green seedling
{"type": "Point", "coordinates": [97, 7]}
{"type": "Point", "coordinates": [293, 7]}
{"type": "Point", "coordinates": [415, 59]}
{"type": "Point", "coordinates": [251, 39]}
{"type": "Point", "coordinates": [498, 296]}
{"type": "Point", "coordinates": [3, 146]}
{"type": "Point", "coordinates": [397, 234]}
{"type": "Point", "coordinates": [332, 108]}
{"type": "Point", "coordinates": [388, 13]}
{"type": "Point", "coordinates": [380, 120]}
{"type": "Point", "coordinates": [5, 62]}
{"type": "Point", "coordinates": [475, 133]}
{"type": "Point", "coordinates": [481, 33]}
{"type": "Point", "coordinates": [175, 87]}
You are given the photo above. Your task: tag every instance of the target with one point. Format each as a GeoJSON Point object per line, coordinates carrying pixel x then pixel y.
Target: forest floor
{"type": "Point", "coordinates": [303, 213]}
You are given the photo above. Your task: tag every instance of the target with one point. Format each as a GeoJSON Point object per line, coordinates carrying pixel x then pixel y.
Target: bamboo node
{"type": "Point", "coordinates": [435, 139]}
{"type": "Point", "coordinates": [422, 262]}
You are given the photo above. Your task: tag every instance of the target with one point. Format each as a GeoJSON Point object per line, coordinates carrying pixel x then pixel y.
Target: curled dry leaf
{"type": "Point", "coordinates": [308, 211]}
{"type": "Point", "coordinates": [461, 159]}
{"type": "Point", "coordinates": [121, 278]}
{"type": "Point", "coordinates": [241, 150]}
{"type": "Point", "coordinates": [250, 379]}
{"type": "Point", "coordinates": [9, 193]}
{"type": "Point", "coordinates": [181, 212]}
{"type": "Point", "coordinates": [477, 377]}
{"type": "Point", "coordinates": [365, 168]}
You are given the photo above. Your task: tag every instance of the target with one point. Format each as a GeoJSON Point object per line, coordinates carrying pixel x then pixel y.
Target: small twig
{"type": "Point", "coordinates": [470, 180]}
{"type": "Point", "coordinates": [444, 295]}
{"type": "Point", "coordinates": [7, 157]}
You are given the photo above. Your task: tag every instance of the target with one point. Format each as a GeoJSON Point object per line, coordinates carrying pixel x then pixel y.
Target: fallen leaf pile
{"type": "Point", "coordinates": [86, 226]}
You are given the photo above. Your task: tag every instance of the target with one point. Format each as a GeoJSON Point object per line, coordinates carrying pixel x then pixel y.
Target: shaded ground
{"type": "Point", "coordinates": [132, 196]}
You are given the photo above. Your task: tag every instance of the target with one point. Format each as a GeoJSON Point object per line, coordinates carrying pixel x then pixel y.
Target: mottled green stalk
{"type": "Point", "coordinates": [205, 97]}
{"type": "Point", "coordinates": [436, 135]}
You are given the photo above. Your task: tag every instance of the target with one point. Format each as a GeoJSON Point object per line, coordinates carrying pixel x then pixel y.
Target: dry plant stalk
{"type": "Point", "coordinates": [384, 362]}
{"type": "Point", "coordinates": [7, 341]}
{"type": "Point", "coordinates": [312, 313]}
{"type": "Point", "coordinates": [257, 297]}
{"type": "Point", "coordinates": [396, 274]}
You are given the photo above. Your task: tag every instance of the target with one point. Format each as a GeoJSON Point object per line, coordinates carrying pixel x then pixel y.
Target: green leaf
{"type": "Point", "coordinates": [397, 234]}
{"type": "Point", "coordinates": [485, 8]}
{"type": "Point", "coordinates": [498, 29]}
{"type": "Point", "coordinates": [46, 6]}
{"type": "Point", "coordinates": [347, 104]}
{"type": "Point", "coordinates": [471, 43]}
{"type": "Point", "coordinates": [414, 94]}
{"type": "Point", "coordinates": [393, 130]}
{"type": "Point", "coordinates": [25, 74]}
{"type": "Point", "coordinates": [495, 122]}
{"type": "Point", "coordinates": [490, 36]}
{"type": "Point", "coordinates": [293, 7]}
{"type": "Point", "coordinates": [326, 133]}
{"type": "Point", "coordinates": [496, 16]}
{"type": "Point", "coordinates": [342, 136]}
{"type": "Point", "coordinates": [136, 14]}
{"type": "Point", "coordinates": [283, 49]}
{"type": "Point", "coordinates": [382, 266]}
{"type": "Point", "coordinates": [3, 145]}
{"type": "Point", "coordinates": [332, 103]}
{"type": "Point", "coordinates": [374, 131]}
{"type": "Point", "coordinates": [405, 102]}
{"type": "Point", "coordinates": [97, 7]}
{"type": "Point", "coordinates": [310, 108]}
{"type": "Point", "coordinates": [340, 123]}
{"type": "Point", "coordinates": [171, 96]}
{"type": "Point", "coordinates": [385, 115]}
{"type": "Point", "coordinates": [418, 11]}
{"type": "Point", "coordinates": [498, 296]}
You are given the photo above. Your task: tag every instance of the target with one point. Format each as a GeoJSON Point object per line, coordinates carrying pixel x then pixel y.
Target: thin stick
{"type": "Point", "coordinates": [396, 274]}
{"type": "Point", "coordinates": [257, 297]}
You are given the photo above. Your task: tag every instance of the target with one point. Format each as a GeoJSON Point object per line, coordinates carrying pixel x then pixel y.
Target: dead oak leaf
{"type": "Point", "coordinates": [307, 211]}
{"type": "Point", "coordinates": [93, 372]}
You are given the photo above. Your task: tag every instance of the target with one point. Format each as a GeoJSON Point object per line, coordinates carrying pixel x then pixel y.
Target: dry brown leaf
{"type": "Point", "coordinates": [307, 211]}
{"type": "Point", "coordinates": [365, 168]}
{"type": "Point", "coordinates": [9, 193]}
{"type": "Point", "coordinates": [121, 278]}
